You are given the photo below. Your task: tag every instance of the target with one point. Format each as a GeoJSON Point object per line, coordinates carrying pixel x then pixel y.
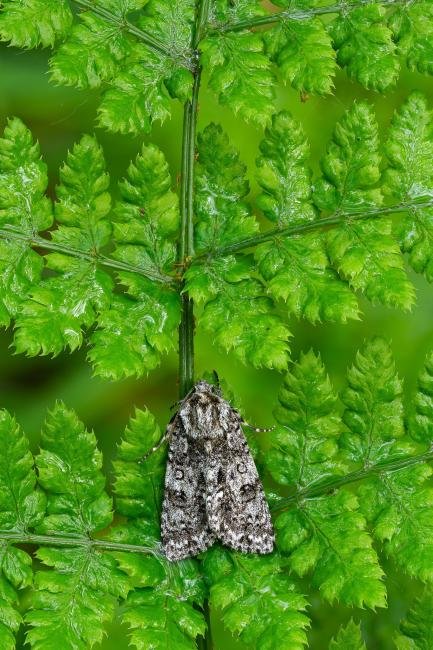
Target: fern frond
{"type": "Point", "coordinates": [409, 177]}
{"type": "Point", "coordinates": [348, 638]}
{"type": "Point", "coordinates": [303, 52]}
{"type": "Point", "coordinates": [141, 63]}
{"type": "Point", "coordinates": [240, 74]}
{"type": "Point", "coordinates": [23, 207]}
{"type": "Point", "coordinates": [71, 601]}
{"type": "Point", "coordinates": [364, 252]}
{"type": "Point", "coordinates": [32, 23]}
{"type": "Point", "coordinates": [147, 214]}
{"type": "Point", "coordinates": [416, 629]}
{"type": "Point", "coordinates": [224, 12]}
{"type": "Point", "coordinates": [398, 505]}
{"type": "Point", "coordinates": [60, 307]}
{"type": "Point", "coordinates": [223, 216]}
{"type": "Point", "coordinates": [237, 312]}
{"type": "Point", "coordinates": [133, 331]}
{"type": "Point", "coordinates": [22, 506]}
{"type": "Point", "coordinates": [142, 88]}
{"type": "Point", "coordinates": [365, 46]}
{"type": "Point", "coordinates": [420, 411]}
{"type": "Point", "coordinates": [257, 601]}
{"type": "Point", "coordinates": [52, 313]}
{"type": "Point", "coordinates": [412, 28]}
{"type": "Point", "coordinates": [325, 535]}
{"type": "Point", "coordinates": [296, 269]}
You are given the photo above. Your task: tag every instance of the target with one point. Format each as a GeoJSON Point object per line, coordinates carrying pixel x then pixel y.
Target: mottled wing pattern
{"type": "Point", "coordinates": [184, 526]}
{"type": "Point", "coordinates": [212, 488]}
{"type": "Point", "coordinates": [237, 511]}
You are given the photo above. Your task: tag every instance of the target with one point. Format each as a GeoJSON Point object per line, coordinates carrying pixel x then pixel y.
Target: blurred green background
{"type": "Point", "coordinates": [58, 117]}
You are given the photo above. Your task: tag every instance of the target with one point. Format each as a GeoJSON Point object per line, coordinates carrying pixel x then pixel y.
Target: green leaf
{"type": "Point", "coordinates": [84, 200]}
{"type": "Point", "coordinates": [161, 622]}
{"type": "Point", "coordinates": [409, 178]}
{"type": "Point", "coordinates": [374, 408]}
{"type": "Point", "coordinates": [348, 638]}
{"type": "Point", "coordinates": [412, 29]}
{"type": "Point", "coordinates": [363, 251]}
{"type": "Point", "coordinates": [237, 313]}
{"type": "Point", "coordinates": [305, 446]}
{"type": "Point", "coordinates": [230, 11]}
{"type": "Point", "coordinates": [71, 603]}
{"type": "Point", "coordinates": [398, 505]}
{"type": "Point", "coordinates": [60, 307]}
{"type": "Point", "coordinates": [69, 466]}
{"type": "Point", "coordinates": [136, 477]}
{"type": "Point", "coordinates": [365, 47]}
{"type": "Point", "coordinates": [147, 214]}
{"type": "Point", "coordinates": [137, 96]}
{"type": "Point", "coordinates": [302, 50]}
{"type": "Point", "coordinates": [139, 81]}
{"type": "Point", "coordinates": [296, 269]}
{"type": "Point", "coordinates": [160, 611]}
{"type": "Point", "coordinates": [10, 617]}
{"type": "Point", "coordinates": [21, 505]}
{"type": "Point", "coordinates": [324, 535]}
{"type": "Point", "coordinates": [351, 165]}
{"type": "Point", "coordinates": [283, 173]}
{"type": "Point", "coordinates": [134, 332]}
{"type": "Point", "coordinates": [223, 216]}
{"type": "Point", "coordinates": [141, 90]}
{"type": "Point", "coordinates": [240, 74]}
{"type": "Point", "coordinates": [30, 23]}
{"type": "Point", "coordinates": [171, 23]}
{"type": "Point", "coordinates": [23, 182]}
{"type": "Point", "coordinates": [257, 601]}
{"type": "Point", "coordinates": [420, 416]}
{"type": "Point", "coordinates": [416, 629]}
{"type": "Point", "coordinates": [20, 269]}
{"type": "Point", "coordinates": [93, 53]}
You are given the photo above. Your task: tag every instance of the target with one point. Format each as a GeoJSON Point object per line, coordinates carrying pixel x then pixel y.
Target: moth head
{"type": "Point", "coordinates": [202, 387]}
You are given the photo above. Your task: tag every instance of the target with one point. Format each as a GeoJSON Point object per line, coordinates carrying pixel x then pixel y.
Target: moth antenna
{"type": "Point", "coordinates": [258, 429]}
{"type": "Point", "coordinates": [155, 448]}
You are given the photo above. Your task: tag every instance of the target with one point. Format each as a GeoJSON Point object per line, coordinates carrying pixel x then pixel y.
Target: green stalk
{"type": "Point", "coordinates": [35, 241]}
{"type": "Point", "coordinates": [307, 14]}
{"type": "Point", "coordinates": [324, 223]}
{"type": "Point", "coordinates": [337, 482]}
{"type": "Point", "coordinates": [186, 244]}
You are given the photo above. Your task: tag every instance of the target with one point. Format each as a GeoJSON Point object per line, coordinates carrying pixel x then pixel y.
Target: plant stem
{"type": "Point", "coordinates": [281, 16]}
{"type": "Point", "coordinates": [86, 542]}
{"type": "Point", "coordinates": [90, 256]}
{"type": "Point", "coordinates": [186, 245]}
{"type": "Point", "coordinates": [334, 483]}
{"type": "Point", "coordinates": [332, 221]}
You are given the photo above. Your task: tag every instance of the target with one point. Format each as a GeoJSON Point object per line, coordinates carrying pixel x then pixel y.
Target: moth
{"type": "Point", "coordinates": [212, 488]}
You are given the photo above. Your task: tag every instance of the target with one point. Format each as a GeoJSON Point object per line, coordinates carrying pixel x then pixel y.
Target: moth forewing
{"type": "Point", "coordinates": [212, 487]}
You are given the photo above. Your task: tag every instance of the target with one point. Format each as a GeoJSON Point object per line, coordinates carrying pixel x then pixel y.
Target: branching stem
{"type": "Point", "coordinates": [90, 256]}
{"type": "Point", "coordinates": [304, 14]}
{"type": "Point", "coordinates": [60, 540]}
{"type": "Point", "coordinates": [334, 483]}
{"type": "Point", "coordinates": [324, 223]}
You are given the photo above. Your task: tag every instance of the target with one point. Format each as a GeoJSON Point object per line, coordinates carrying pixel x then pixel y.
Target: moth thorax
{"type": "Point", "coordinates": [202, 421]}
